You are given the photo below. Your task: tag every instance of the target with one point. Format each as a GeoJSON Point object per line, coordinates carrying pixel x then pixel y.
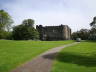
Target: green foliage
{"type": "Point", "coordinates": [5, 25]}
{"type": "Point", "coordinates": [2, 34]}
{"type": "Point", "coordinates": [15, 53]}
{"type": "Point", "coordinates": [77, 58]}
{"type": "Point", "coordinates": [86, 34]}
{"type": "Point", "coordinates": [28, 22]}
{"type": "Point", "coordinates": [5, 34]}
{"type": "Point", "coordinates": [93, 29]}
{"type": "Point", "coordinates": [5, 20]}
{"type": "Point", "coordinates": [25, 31]}
{"type": "Point", "coordinates": [83, 34]}
{"type": "Point", "coordinates": [92, 35]}
{"type": "Point", "coordinates": [93, 23]}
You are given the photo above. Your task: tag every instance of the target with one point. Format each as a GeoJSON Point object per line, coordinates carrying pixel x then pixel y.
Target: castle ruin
{"type": "Point", "coordinates": [62, 32]}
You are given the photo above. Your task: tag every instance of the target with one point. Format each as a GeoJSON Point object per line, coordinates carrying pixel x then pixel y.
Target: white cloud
{"type": "Point", "coordinates": [75, 13]}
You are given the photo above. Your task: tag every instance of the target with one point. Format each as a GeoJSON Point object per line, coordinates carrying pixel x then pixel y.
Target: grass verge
{"type": "Point", "coordinates": [77, 58]}
{"type": "Point", "coordinates": [14, 53]}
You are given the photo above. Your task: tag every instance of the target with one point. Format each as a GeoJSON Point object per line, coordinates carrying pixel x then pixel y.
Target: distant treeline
{"type": "Point", "coordinates": [26, 30]}
{"type": "Point", "coordinates": [86, 34]}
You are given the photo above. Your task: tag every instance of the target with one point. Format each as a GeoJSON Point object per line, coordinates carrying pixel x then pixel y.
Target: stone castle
{"type": "Point", "coordinates": [62, 32]}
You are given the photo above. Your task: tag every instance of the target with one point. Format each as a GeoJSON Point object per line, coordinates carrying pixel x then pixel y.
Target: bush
{"type": "Point", "coordinates": [5, 34]}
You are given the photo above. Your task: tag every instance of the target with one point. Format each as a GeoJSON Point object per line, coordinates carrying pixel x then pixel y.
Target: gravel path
{"type": "Point", "coordinates": [43, 62]}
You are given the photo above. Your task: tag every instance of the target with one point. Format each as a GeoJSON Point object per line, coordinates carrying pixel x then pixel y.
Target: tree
{"type": "Point", "coordinates": [93, 23]}
{"type": "Point", "coordinates": [92, 35]}
{"type": "Point", "coordinates": [93, 29]}
{"type": "Point", "coordinates": [5, 25]}
{"type": "Point", "coordinates": [5, 34]}
{"type": "Point", "coordinates": [5, 20]}
{"type": "Point", "coordinates": [28, 22]}
{"type": "Point", "coordinates": [25, 31]}
{"type": "Point", "coordinates": [83, 34]}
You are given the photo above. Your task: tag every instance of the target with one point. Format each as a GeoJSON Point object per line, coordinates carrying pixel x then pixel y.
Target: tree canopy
{"type": "Point", "coordinates": [28, 22]}
{"type": "Point", "coordinates": [93, 23]}
{"type": "Point", "coordinates": [5, 20]}
{"type": "Point", "coordinates": [93, 29]}
{"type": "Point", "coordinates": [25, 31]}
{"type": "Point", "coordinates": [83, 34]}
{"type": "Point", "coordinates": [5, 24]}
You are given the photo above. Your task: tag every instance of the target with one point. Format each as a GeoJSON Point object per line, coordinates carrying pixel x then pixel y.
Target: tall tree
{"type": "Point", "coordinates": [93, 29]}
{"type": "Point", "coordinates": [5, 20]}
{"type": "Point", "coordinates": [93, 23]}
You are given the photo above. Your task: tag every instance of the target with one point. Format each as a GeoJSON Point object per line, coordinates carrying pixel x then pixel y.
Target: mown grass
{"type": "Point", "coordinates": [78, 58]}
{"type": "Point", "coordinates": [15, 53]}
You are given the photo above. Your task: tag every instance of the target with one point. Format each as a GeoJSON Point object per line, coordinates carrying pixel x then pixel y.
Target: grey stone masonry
{"type": "Point", "coordinates": [62, 32]}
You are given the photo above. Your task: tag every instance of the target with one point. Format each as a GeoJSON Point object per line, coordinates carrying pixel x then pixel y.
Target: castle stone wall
{"type": "Point", "coordinates": [62, 32]}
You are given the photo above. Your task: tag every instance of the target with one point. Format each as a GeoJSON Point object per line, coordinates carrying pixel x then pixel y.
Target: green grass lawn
{"type": "Point", "coordinates": [15, 53]}
{"type": "Point", "coordinates": [77, 58]}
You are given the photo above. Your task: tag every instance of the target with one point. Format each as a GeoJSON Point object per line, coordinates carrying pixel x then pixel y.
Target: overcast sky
{"type": "Point", "coordinates": [75, 13]}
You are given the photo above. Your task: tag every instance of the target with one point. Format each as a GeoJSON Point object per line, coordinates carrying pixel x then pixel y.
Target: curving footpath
{"type": "Point", "coordinates": [43, 62]}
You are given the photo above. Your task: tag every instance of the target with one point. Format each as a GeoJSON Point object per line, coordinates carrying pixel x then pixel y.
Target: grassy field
{"type": "Point", "coordinates": [78, 58]}
{"type": "Point", "coordinates": [14, 53]}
